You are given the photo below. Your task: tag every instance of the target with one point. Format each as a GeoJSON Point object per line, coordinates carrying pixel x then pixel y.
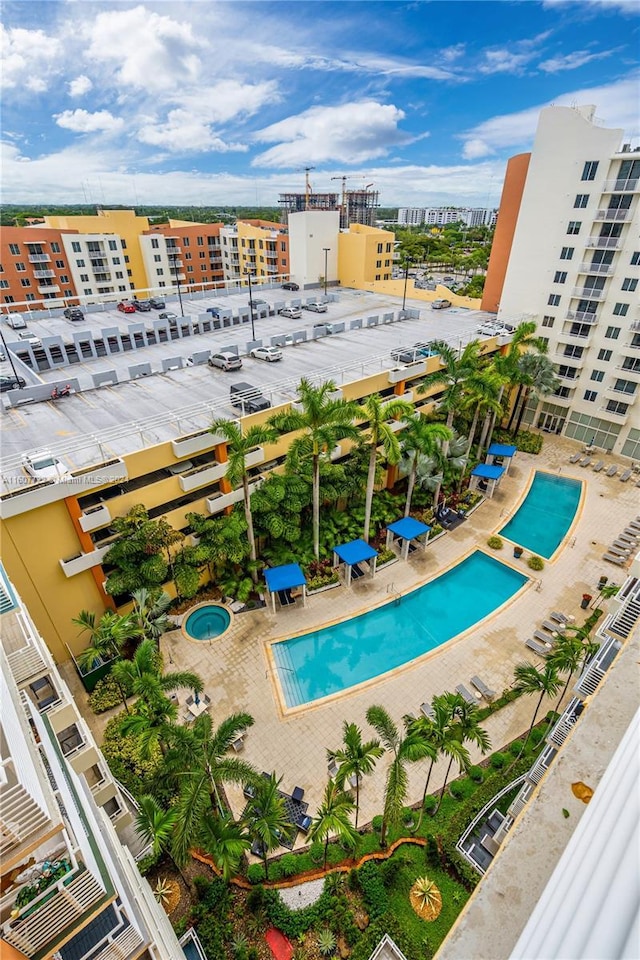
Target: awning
{"type": "Point", "coordinates": [355, 551]}
{"type": "Point", "coordinates": [286, 577]}
{"type": "Point", "coordinates": [408, 528]}
{"type": "Point", "coordinates": [487, 471]}
{"type": "Point", "coordinates": [502, 450]}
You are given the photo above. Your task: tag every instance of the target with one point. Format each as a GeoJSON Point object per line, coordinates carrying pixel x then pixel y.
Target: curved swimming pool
{"type": "Point", "coordinates": [545, 515]}
{"type": "Point", "coordinates": [206, 621]}
{"type": "Point", "coordinates": [335, 658]}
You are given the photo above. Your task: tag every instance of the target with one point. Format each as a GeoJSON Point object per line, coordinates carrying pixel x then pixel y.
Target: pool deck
{"type": "Point", "coordinates": [237, 674]}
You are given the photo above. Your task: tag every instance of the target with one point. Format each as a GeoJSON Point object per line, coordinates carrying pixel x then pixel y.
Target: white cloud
{"type": "Point", "coordinates": [571, 61]}
{"type": "Point", "coordinates": [351, 133]}
{"type": "Point", "coordinates": [228, 99]}
{"type": "Point", "coordinates": [79, 86]}
{"type": "Point", "coordinates": [624, 6]}
{"type": "Point", "coordinates": [81, 121]}
{"type": "Point", "coordinates": [504, 61]}
{"type": "Point", "coordinates": [616, 104]}
{"type": "Point", "coordinates": [184, 132]}
{"type": "Point", "coordinates": [29, 57]}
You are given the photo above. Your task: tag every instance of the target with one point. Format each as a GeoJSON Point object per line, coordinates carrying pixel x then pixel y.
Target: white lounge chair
{"type": "Point", "coordinates": [427, 711]}
{"type": "Point", "coordinates": [481, 686]}
{"type": "Point", "coordinates": [611, 472]}
{"type": "Point", "coordinates": [543, 637]}
{"type": "Point", "coordinates": [466, 694]}
{"type": "Point", "coordinates": [612, 558]}
{"type": "Point", "coordinates": [624, 553]}
{"type": "Point", "coordinates": [575, 458]}
{"type": "Point", "coordinates": [558, 617]}
{"type": "Point", "coordinates": [586, 462]}
{"type": "Point", "coordinates": [624, 476]}
{"type": "Point", "coordinates": [538, 648]}
{"type": "Point", "coordinates": [552, 627]}
{"type": "Point", "coordinates": [623, 545]}
{"type": "Point", "coordinates": [598, 466]}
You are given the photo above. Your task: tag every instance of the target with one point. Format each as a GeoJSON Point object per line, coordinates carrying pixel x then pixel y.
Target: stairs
{"type": "Point", "coordinates": [625, 621]}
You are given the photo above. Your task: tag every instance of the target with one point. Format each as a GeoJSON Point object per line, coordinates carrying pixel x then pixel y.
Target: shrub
{"type": "Point", "coordinates": [255, 899]}
{"type": "Point", "coordinates": [430, 804]}
{"type": "Point", "coordinates": [385, 556]}
{"type": "Point", "coordinates": [496, 543]}
{"type": "Point", "coordinates": [373, 889]}
{"type": "Point", "coordinates": [316, 852]}
{"type": "Point", "coordinates": [535, 563]}
{"type": "Point", "coordinates": [124, 759]}
{"type": "Point", "coordinates": [536, 735]}
{"type": "Point", "coordinates": [255, 873]}
{"type": "Point", "coordinates": [456, 789]}
{"type": "Point", "coordinates": [326, 942]}
{"type": "Point", "coordinates": [498, 760]}
{"type": "Point", "coordinates": [431, 852]}
{"type": "Point", "coordinates": [146, 863]}
{"type": "Point", "coordinates": [354, 879]}
{"type": "Point", "coordinates": [476, 774]}
{"type": "Point", "coordinates": [288, 865]}
{"type": "Point", "coordinates": [106, 694]}
{"type": "Point", "coordinates": [376, 824]}
{"type": "Point", "coordinates": [527, 442]}
{"type": "Point", "coordinates": [515, 747]}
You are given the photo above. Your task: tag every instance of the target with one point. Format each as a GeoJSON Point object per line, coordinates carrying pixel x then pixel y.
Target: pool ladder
{"type": "Point", "coordinates": [391, 588]}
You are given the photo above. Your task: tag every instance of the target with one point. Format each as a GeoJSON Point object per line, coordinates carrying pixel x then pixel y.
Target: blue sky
{"type": "Point", "coordinates": [209, 103]}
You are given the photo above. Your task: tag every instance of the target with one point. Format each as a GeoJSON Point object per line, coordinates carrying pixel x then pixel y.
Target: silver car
{"type": "Point", "coordinates": [225, 361]}
{"type": "Point", "coordinates": [315, 306]}
{"type": "Point", "coordinates": [294, 313]}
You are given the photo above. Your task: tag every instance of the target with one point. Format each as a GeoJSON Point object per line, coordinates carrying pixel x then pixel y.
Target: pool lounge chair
{"type": "Point", "coordinates": [618, 552]}
{"type": "Point", "coordinates": [543, 637]}
{"type": "Point", "coordinates": [466, 694]}
{"type": "Point", "coordinates": [481, 686]}
{"type": "Point", "coordinates": [599, 466]}
{"type": "Point", "coordinates": [356, 572]}
{"type": "Point", "coordinates": [538, 648]}
{"type": "Point", "coordinates": [624, 476]}
{"type": "Point", "coordinates": [427, 711]}
{"type": "Point", "coordinates": [586, 462]}
{"type": "Point", "coordinates": [612, 558]}
{"type": "Point", "coordinates": [634, 525]}
{"type": "Point", "coordinates": [285, 598]}
{"type": "Point", "coordinates": [629, 534]}
{"type": "Point", "coordinates": [575, 458]}
{"type": "Point", "coordinates": [558, 617]}
{"type": "Point", "coordinates": [552, 627]}
{"type": "Point", "coordinates": [622, 545]}
{"type": "Point", "coordinates": [613, 469]}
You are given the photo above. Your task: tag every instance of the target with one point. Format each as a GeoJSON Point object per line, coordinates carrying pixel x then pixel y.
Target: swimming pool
{"type": "Point", "coordinates": [545, 515]}
{"type": "Point", "coordinates": [335, 658]}
{"type": "Point", "coordinates": [206, 621]}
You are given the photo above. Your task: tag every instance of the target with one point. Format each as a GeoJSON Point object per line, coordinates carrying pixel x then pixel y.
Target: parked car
{"type": "Point", "coordinates": [440, 304]}
{"type": "Point", "coordinates": [407, 354]}
{"type": "Point", "coordinates": [294, 313]}
{"type": "Point", "coordinates": [44, 466]}
{"type": "Point", "coordinates": [171, 318]}
{"type": "Point", "coordinates": [214, 311]}
{"type": "Point", "coordinates": [270, 354]}
{"type": "Point", "coordinates": [16, 321]}
{"type": "Point", "coordinates": [290, 285]}
{"type": "Point", "coordinates": [225, 361]}
{"type": "Point", "coordinates": [73, 313]}
{"type": "Point", "coordinates": [315, 306]}
{"type": "Point", "coordinates": [248, 398]}
{"type": "Point", "coordinates": [125, 307]}
{"type": "Point", "coordinates": [144, 306]}
{"type": "Point", "coordinates": [11, 383]}
{"type": "Point", "coordinates": [156, 303]}
{"type": "Point", "coordinates": [448, 279]}
{"type": "Point", "coordinates": [259, 305]}
{"type": "Point", "coordinates": [31, 338]}
{"type": "Point", "coordinates": [489, 329]}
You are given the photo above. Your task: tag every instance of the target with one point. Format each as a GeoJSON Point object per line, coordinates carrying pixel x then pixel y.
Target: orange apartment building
{"type": "Point", "coordinates": [34, 266]}
{"type": "Point", "coordinates": [512, 190]}
{"type": "Point", "coordinates": [192, 249]}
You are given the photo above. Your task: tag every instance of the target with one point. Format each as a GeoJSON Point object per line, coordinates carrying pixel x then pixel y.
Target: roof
{"type": "Point", "coordinates": [487, 470]}
{"type": "Point", "coordinates": [408, 528]}
{"type": "Point", "coordinates": [284, 578]}
{"type": "Point", "coordinates": [355, 551]}
{"type": "Point", "coordinates": [502, 450]}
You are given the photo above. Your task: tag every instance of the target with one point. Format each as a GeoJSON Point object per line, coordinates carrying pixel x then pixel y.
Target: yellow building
{"type": "Point", "coordinates": [263, 248]}
{"type": "Point", "coordinates": [365, 255]}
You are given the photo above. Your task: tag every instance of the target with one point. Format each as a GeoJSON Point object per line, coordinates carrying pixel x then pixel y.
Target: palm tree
{"type": "Point", "coordinates": [405, 750]}
{"type": "Point", "coordinates": [106, 636]}
{"type": "Point", "coordinates": [155, 826]}
{"type": "Point", "coordinates": [225, 840]}
{"type": "Point", "coordinates": [571, 650]}
{"type": "Point", "coordinates": [150, 612]}
{"type": "Point", "coordinates": [465, 728]}
{"type": "Point", "coordinates": [145, 676]}
{"type": "Point", "coordinates": [482, 392]}
{"type": "Point", "coordinates": [356, 759]}
{"type": "Point", "coordinates": [419, 438]}
{"type": "Point", "coordinates": [539, 379]}
{"type": "Point", "coordinates": [332, 819]}
{"type": "Point", "coordinates": [239, 446]}
{"type": "Point", "coordinates": [455, 370]}
{"type": "Point", "coordinates": [378, 411]}
{"type": "Point", "coordinates": [153, 725]}
{"type": "Point", "coordinates": [266, 817]}
{"type": "Point", "coordinates": [530, 680]}
{"type": "Point", "coordinates": [432, 470]}
{"type": "Point", "coordinates": [322, 422]}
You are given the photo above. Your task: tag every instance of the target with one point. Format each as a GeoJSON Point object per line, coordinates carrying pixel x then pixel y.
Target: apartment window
{"type": "Point", "coordinates": [4, 284]}
{"type": "Point", "coordinates": [113, 244]}
{"type": "Point", "coordinates": [566, 253]}
{"type": "Point", "coordinates": [283, 262]}
{"type": "Point", "coordinates": [88, 291]}
{"type": "Point", "coordinates": [620, 309]}
{"type": "Point", "coordinates": [543, 340]}
{"type": "Point", "coordinates": [119, 275]}
{"type": "Point", "coordinates": [76, 247]}
{"type": "Point", "coordinates": [548, 321]}
{"type": "Point", "coordinates": [115, 260]}
{"type": "Point", "coordinates": [160, 272]}
{"type": "Point", "coordinates": [189, 269]}
{"type": "Point", "coordinates": [203, 254]}
{"type": "Point", "coordinates": [560, 276]}
{"type": "Point", "coordinates": [129, 273]}
{"type": "Point", "coordinates": [14, 248]}
{"type": "Point", "coordinates": [590, 395]}
{"type": "Point", "coordinates": [84, 278]}
{"type": "Point", "coordinates": [55, 247]}
{"type": "Point", "coordinates": [574, 226]}
{"type": "Point", "coordinates": [579, 329]}
{"type": "Point", "coordinates": [379, 262]}
{"type": "Point", "coordinates": [635, 258]}
{"type": "Point", "coordinates": [629, 283]}
{"type": "Point", "coordinates": [29, 296]}
{"type": "Point", "coordinates": [64, 278]}
{"type": "Point", "coordinates": [388, 248]}
{"type": "Point", "coordinates": [155, 243]}
{"type": "Point", "coordinates": [605, 354]}
{"type": "Point", "coordinates": [582, 199]}
{"type": "Point", "coordinates": [187, 256]}
{"type": "Point", "coordinates": [379, 248]}
{"type": "Point", "coordinates": [616, 406]}
{"type": "Point", "coordinates": [68, 293]}
{"type": "Point", "coordinates": [20, 267]}
{"type": "Point", "coordinates": [625, 386]}
{"type": "Point", "coordinates": [554, 300]}
{"type": "Point", "coordinates": [126, 259]}
{"type": "Point", "coordinates": [563, 392]}
{"type": "Point", "coordinates": [589, 170]}
{"type": "Point", "coordinates": [569, 372]}
{"type": "Point", "coordinates": [60, 264]}
{"type": "Point", "coordinates": [598, 376]}
{"type": "Point", "coordinates": [162, 283]}
{"type": "Point", "coordinates": [157, 258]}
{"type": "Point", "coordinates": [631, 363]}
{"type": "Point", "coordinates": [612, 333]}
{"type": "Point", "coordinates": [186, 242]}
{"type": "Point", "coordinates": [283, 247]}
{"type": "Point", "coordinates": [80, 263]}
{"type": "Point", "coordinates": [571, 351]}
{"type": "Point", "coordinates": [122, 287]}
{"type": "Point", "coordinates": [377, 274]}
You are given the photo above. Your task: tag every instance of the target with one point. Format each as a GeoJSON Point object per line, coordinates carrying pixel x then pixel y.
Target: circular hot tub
{"type": "Point", "coordinates": [206, 621]}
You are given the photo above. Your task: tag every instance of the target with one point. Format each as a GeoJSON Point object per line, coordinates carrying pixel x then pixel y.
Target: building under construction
{"type": "Point", "coordinates": [355, 206]}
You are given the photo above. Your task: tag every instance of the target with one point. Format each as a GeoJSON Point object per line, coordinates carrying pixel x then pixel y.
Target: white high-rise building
{"type": "Point", "coordinates": [574, 263]}
{"type": "Point", "coordinates": [411, 216]}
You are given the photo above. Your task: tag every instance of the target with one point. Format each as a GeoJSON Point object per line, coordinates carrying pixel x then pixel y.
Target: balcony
{"type": "Point", "coordinates": [587, 293]}
{"type": "Point", "coordinates": [603, 243]}
{"type": "Point", "coordinates": [621, 186]}
{"type": "Point", "coordinates": [173, 249]}
{"type": "Point", "coordinates": [560, 356]}
{"type": "Point", "coordinates": [95, 517]}
{"type": "Point", "coordinates": [219, 501]}
{"type": "Point", "coordinates": [175, 264]}
{"type": "Point", "coordinates": [624, 396]}
{"type": "Point", "coordinates": [566, 722]}
{"type": "Point", "coordinates": [44, 274]}
{"type": "Point", "coordinates": [560, 401]}
{"type": "Point", "coordinates": [613, 216]}
{"type": "Point", "coordinates": [202, 476]}
{"type": "Point", "coordinates": [197, 442]}
{"type": "Point", "coordinates": [602, 269]}
{"type": "Point", "coordinates": [39, 258]}
{"type": "Point", "coordinates": [97, 262]}
{"type": "Point", "coordinates": [83, 561]}
{"type": "Point", "coordinates": [566, 377]}
{"type": "Point", "coordinates": [48, 288]}
{"type": "Point", "coordinates": [620, 418]}
{"type": "Point", "coordinates": [581, 338]}
{"type": "Point", "coordinates": [581, 317]}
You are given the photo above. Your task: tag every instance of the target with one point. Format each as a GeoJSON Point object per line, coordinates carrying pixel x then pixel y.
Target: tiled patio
{"type": "Point", "coordinates": [237, 674]}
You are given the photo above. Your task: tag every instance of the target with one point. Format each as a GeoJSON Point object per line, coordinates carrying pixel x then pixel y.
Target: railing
{"type": "Point", "coordinates": [621, 186]}
{"type": "Point", "coordinates": [587, 293]}
{"type": "Point", "coordinates": [39, 258]}
{"type": "Point", "coordinates": [603, 243]}
{"type": "Point", "coordinates": [595, 670]}
{"type": "Point", "coordinates": [44, 274]}
{"type": "Point", "coordinates": [604, 269]}
{"type": "Point", "coordinates": [616, 215]}
{"type": "Point", "coordinates": [480, 816]}
{"type": "Point", "coordinates": [581, 316]}
{"type": "Point", "coordinates": [123, 945]}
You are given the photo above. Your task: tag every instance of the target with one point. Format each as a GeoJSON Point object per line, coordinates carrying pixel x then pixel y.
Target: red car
{"type": "Point", "coordinates": [125, 307]}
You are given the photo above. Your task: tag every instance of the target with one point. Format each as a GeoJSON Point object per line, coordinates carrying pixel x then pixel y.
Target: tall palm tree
{"type": "Point", "coordinates": [432, 470]}
{"type": "Point", "coordinates": [541, 380]}
{"type": "Point", "coordinates": [239, 446]}
{"type": "Point", "coordinates": [150, 612]}
{"type": "Point", "coordinates": [266, 817]}
{"type": "Point", "coordinates": [455, 370]}
{"type": "Point", "coordinates": [378, 411]}
{"type": "Point", "coordinates": [145, 676]}
{"type": "Point", "coordinates": [419, 438]}
{"type": "Point", "coordinates": [322, 422]}
{"type": "Point", "coordinates": [225, 840]}
{"type": "Point", "coordinates": [155, 826]}
{"type": "Point", "coordinates": [571, 650]}
{"type": "Point", "coordinates": [153, 725]}
{"type": "Point", "coordinates": [106, 636]}
{"type": "Point", "coordinates": [404, 749]}
{"type": "Point", "coordinates": [482, 392]}
{"type": "Point", "coordinates": [465, 728]}
{"type": "Point", "coordinates": [332, 819]}
{"type": "Point", "coordinates": [355, 759]}
{"type": "Point", "coordinates": [530, 680]}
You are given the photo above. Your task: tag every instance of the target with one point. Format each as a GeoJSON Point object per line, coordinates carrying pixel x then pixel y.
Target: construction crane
{"type": "Point", "coordinates": [307, 186]}
{"type": "Point", "coordinates": [344, 213]}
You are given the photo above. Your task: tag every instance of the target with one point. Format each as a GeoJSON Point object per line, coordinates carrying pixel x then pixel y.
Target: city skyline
{"type": "Point", "coordinates": [222, 104]}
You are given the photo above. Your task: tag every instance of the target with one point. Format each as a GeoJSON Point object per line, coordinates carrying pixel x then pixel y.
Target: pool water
{"type": "Point", "coordinates": [546, 514]}
{"type": "Point", "coordinates": [335, 658]}
{"type": "Point", "coordinates": [207, 622]}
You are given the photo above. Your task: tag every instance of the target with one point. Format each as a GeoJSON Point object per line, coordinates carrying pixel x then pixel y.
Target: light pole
{"type": "Point", "coordinates": [326, 252]}
{"type": "Point", "coordinates": [248, 275]}
{"type": "Point", "coordinates": [173, 258]}
{"type": "Point", "coordinates": [407, 263]}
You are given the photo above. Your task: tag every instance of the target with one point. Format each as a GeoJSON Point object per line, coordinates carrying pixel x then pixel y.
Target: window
{"type": "Point", "coordinates": [55, 247]}
{"type": "Point", "coordinates": [598, 376]}
{"type": "Point", "coordinates": [157, 258]}
{"type": "Point", "coordinates": [379, 248]}
{"type": "Point", "coordinates": [560, 276]}
{"type": "Point", "coordinates": [76, 247]}
{"type": "Point", "coordinates": [189, 269]}
{"type": "Point", "coordinates": [30, 296]}
{"type": "Point", "coordinates": [201, 242]}
{"type": "Point", "coordinates": [590, 395]}
{"type": "Point", "coordinates": [612, 333]}
{"type": "Point", "coordinates": [571, 351]}
{"type": "Point", "coordinates": [155, 243]}
{"type": "Point", "coordinates": [548, 321]}
{"type": "Point", "coordinates": [187, 256]}
{"type": "Point", "coordinates": [88, 291]}
{"type": "Point", "coordinates": [625, 386]}
{"type": "Point", "coordinates": [187, 243]}
{"type": "Point", "coordinates": [129, 273]}
{"type": "Point", "coordinates": [84, 278]}
{"type": "Point", "coordinates": [616, 406]}
{"type": "Point", "coordinates": [574, 226]}
{"type": "Point", "coordinates": [566, 253]}
{"type": "Point", "coordinates": [122, 287]}
{"type": "Point", "coordinates": [554, 300]}
{"type": "Point", "coordinates": [4, 284]}
{"type": "Point", "coordinates": [115, 260]}
{"type": "Point", "coordinates": [629, 283]}
{"type": "Point", "coordinates": [635, 258]}
{"type": "Point", "coordinates": [631, 363]}
{"type": "Point", "coordinates": [64, 278]}
{"type": "Point", "coordinates": [589, 170]}
{"type": "Point", "coordinates": [379, 262]}
{"type": "Point", "coordinates": [377, 274]}
{"type": "Point", "coordinates": [60, 264]}
{"type": "Point", "coordinates": [119, 275]}
{"type": "Point", "coordinates": [126, 259]}
{"type": "Point", "coordinates": [283, 248]}
{"type": "Point", "coordinates": [14, 248]}
{"type": "Point", "coordinates": [563, 392]}
{"type": "Point", "coordinates": [68, 293]}
{"type": "Point", "coordinates": [162, 283]}
{"type": "Point", "coordinates": [79, 263]}
{"type": "Point", "coordinates": [570, 373]}
{"type": "Point", "coordinates": [582, 199]}
{"type": "Point", "coordinates": [579, 329]}
{"type": "Point", "coordinates": [160, 272]}
{"type": "Point", "coordinates": [620, 309]}
{"type": "Point", "coordinates": [113, 244]}
{"type": "Point", "coordinates": [203, 254]}
{"type": "Point", "coordinates": [544, 341]}
{"type": "Point", "coordinates": [604, 354]}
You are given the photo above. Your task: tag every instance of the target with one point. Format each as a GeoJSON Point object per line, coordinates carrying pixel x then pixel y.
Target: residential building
{"type": "Point", "coordinates": [70, 885]}
{"type": "Point", "coordinates": [577, 268]}
{"type": "Point", "coordinates": [355, 206]}
{"type": "Point", "coordinates": [411, 216]}
{"type": "Point", "coordinates": [190, 252]}
{"type": "Point", "coordinates": [480, 217]}
{"type": "Point", "coordinates": [510, 200]}
{"type": "Point", "coordinates": [99, 266]}
{"type": "Point", "coordinates": [263, 249]}
{"type": "Point", "coordinates": [442, 216]}
{"type": "Point", "coordinates": [35, 266]}
{"type": "Point", "coordinates": [365, 254]}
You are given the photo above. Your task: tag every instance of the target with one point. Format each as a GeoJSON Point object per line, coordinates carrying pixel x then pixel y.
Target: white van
{"type": "Point", "coordinates": [16, 321]}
